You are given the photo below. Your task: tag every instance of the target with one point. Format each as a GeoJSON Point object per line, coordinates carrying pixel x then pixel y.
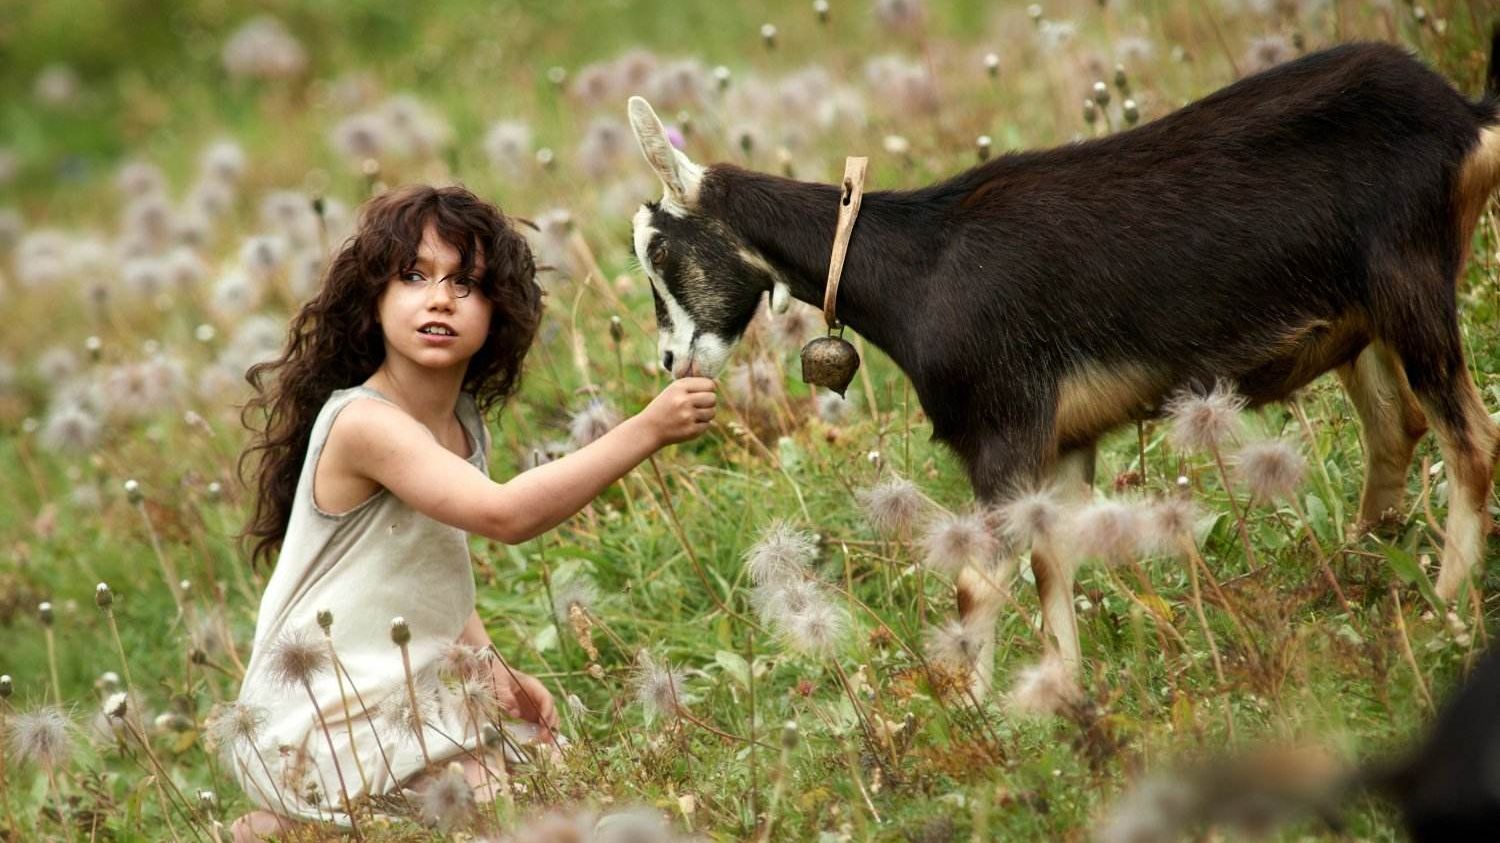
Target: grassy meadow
{"type": "Point", "coordinates": [173, 176]}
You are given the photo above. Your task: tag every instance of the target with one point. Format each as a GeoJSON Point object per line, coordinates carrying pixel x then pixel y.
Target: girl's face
{"type": "Point", "coordinates": [433, 313]}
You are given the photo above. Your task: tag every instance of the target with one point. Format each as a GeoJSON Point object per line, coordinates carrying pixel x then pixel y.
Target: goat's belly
{"type": "Point", "coordinates": [1094, 398]}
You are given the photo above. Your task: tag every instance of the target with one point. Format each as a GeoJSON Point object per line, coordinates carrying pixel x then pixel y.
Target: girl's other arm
{"type": "Point", "coordinates": [380, 442]}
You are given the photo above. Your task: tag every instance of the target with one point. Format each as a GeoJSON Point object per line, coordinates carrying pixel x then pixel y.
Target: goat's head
{"type": "Point", "coordinates": [705, 279]}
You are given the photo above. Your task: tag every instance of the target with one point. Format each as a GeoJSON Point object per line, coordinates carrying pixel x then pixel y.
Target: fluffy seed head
{"type": "Point", "coordinates": [236, 723]}
{"type": "Point", "coordinates": [779, 602]}
{"type": "Point", "coordinates": [405, 717]}
{"type": "Point", "coordinates": [461, 661]}
{"type": "Point", "coordinates": [1044, 688]}
{"type": "Point", "coordinates": [296, 657]}
{"type": "Point", "coordinates": [103, 597]}
{"type": "Point", "coordinates": [1168, 522]}
{"type": "Point", "coordinates": [953, 542]}
{"type": "Point", "coordinates": [1271, 470]}
{"type": "Point", "coordinates": [1109, 531]}
{"type": "Point", "coordinates": [43, 737]}
{"type": "Point", "coordinates": [117, 705]}
{"type": "Point", "coordinates": [1201, 423]}
{"type": "Point", "coordinates": [597, 418]}
{"type": "Point", "coordinates": [448, 801]}
{"type": "Point", "coordinates": [1031, 516]}
{"type": "Point", "coordinates": [578, 591]}
{"type": "Point", "coordinates": [658, 687]}
{"type": "Point", "coordinates": [954, 644]}
{"type": "Point", "coordinates": [781, 554]}
{"type": "Point", "coordinates": [816, 631]}
{"type": "Point", "coordinates": [893, 506]}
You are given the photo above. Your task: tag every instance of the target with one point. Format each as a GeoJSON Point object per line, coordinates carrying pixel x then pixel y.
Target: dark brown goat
{"type": "Point", "coordinates": [1312, 217]}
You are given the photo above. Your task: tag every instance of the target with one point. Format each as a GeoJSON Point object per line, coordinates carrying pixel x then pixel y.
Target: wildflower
{"type": "Point", "coordinates": [1203, 422]}
{"type": "Point", "coordinates": [1167, 522]}
{"type": "Point", "coordinates": [70, 428]}
{"type": "Point", "coordinates": [597, 418]}
{"type": "Point", "coordinates": [462, 661]}
{"type": "Point", "coordinates": [892, 506]}
{"type": "Point", "coordinates": [236, 294]}
{"type": "Point", "coordinates": [133, 493]}
{"type": "Point", "coordinates": [1266, 52]}
{"type": "Point", "coordinates": [657, 686]}
{"type": "Point", "coordinates": [605, 142]}
{"type": "Point", "coordinates": [1107, 530]}
{"type": "Point", "coordinates": [1056, 33]}
{"type": "Point", "coordinates": [1044, 688]}
{"type": "Point", "coordinates": [360, 137]}
{"type": "Point", "coordinates": [263, 255]}
{"type": "Point", "coordinates": [43, 737]}
{"type": "Point", "coordinates": [577, 591]}
{"type": "Point", "coordinates": [1031, 516]}
{"type": "Point", "coordinates": [296, 657]}
{"type": "Point", "coordinates": [778, 603]}
{"type": "Point", "coordinates": [954, 644]}
{"type": "Point", "coordinates": [448, 800]}
{"type": "Point", "coordinates": [7, 686]}
{"type": "Point", "coordinates": [1134, 51]}
{"type": "Point", "coordinates": [223, 161]}
{"type": "Point", "coordinates": [508, 146]}
{"type": "Point", "coordinates": [1271, 470]}
{"type": "Point", "coordinates": [817, 630]}
{"type": "Point", "coordinates": [236, 723]}
{"type": "Point", "coordinates": [768, 35]}
{"type": "Point", "coordinates": [263, 49]}
{"type": "Point", "coordinates": [781, 553]}
{"type": "Point", "coordinates": [404, 718]}
{"type": "Point", "coordinates": [103, 597]}
{"type": "Point", "coordinates": [56, 86]}
{"type": "Point", "coordinates": [953, 542]}
{"type": "Point", "coordinates": [789, 735]}
{"type": "Point", "coordinates": [400, 632]}
{"type": "Point", "coordinates": [903, 85]}
{"type": "Point", "coordinates": [901, 16]}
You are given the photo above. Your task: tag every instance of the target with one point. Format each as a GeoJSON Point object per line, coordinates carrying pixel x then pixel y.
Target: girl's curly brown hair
{"type": "Point", "coordinates": [335, 340]}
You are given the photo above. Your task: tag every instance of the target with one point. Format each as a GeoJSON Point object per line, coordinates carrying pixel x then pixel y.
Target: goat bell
{"type": "Point", "coordinates": [831, 362]}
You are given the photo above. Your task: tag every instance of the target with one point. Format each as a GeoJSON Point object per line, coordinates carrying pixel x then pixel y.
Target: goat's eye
{"type": "Point", "coordinates": [658, 254]}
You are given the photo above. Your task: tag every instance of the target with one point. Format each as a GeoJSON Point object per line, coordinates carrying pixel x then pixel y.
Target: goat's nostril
{"type": "Point", "coordinates": [666, 361]}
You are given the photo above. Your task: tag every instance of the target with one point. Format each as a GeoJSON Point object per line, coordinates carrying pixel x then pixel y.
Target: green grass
{"type": "Point", "coordinates": [154, 88]}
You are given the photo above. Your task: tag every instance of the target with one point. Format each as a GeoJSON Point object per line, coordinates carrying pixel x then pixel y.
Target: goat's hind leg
{"type": "Point", "coordinates": [1439, 377]}
{"type": "Point", "coordinates": [1391, 423]}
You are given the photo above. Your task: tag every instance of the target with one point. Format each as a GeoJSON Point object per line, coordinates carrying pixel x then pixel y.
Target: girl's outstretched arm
{"type": "Point", "coordinates": [380, 442]}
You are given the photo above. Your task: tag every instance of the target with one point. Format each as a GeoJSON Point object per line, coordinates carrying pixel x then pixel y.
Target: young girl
{"type": "Point", "coordinates": [372, 473]}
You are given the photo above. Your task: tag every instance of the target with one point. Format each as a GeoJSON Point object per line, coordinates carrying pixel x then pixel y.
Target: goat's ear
{"type": "Point", "coordinates": [781, 297]}
{"type": "Point", "coordinates": [678, 174]}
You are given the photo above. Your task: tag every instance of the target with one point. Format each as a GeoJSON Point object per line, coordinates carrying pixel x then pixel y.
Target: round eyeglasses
{"type": "Point", "coordinates": [459, 286]}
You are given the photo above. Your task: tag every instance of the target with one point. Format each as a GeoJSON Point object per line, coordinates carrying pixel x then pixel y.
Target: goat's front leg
{"type": "Point", "coordinates": [1072, 475]}
{"type": "Point", "coordinates": [1001, 467]}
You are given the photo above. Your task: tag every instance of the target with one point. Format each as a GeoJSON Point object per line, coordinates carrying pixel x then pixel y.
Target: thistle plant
{"type": "Point", "coordinates": [1205, 424]}
{"type": "Point", "coordinates": [401, 637]}
{"type": "Point", "coordinates": [297, 659]}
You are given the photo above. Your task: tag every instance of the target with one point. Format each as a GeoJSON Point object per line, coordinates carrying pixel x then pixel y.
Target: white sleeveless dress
{"type": "Point", "coordinates": [377, 561]}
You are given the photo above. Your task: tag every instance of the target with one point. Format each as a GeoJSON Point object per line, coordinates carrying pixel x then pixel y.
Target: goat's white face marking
{"type": "Point", "coordinates": [705, 279]}
{"type": "Point", "coordinates": [706, 284]}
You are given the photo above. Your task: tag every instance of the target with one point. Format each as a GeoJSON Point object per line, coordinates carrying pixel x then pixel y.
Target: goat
{"type": "Point", "coordinates": [1314, 216]}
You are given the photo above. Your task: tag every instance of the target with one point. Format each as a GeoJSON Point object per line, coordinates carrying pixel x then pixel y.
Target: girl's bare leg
{"type": "Point", "coordinates": [251, 827]}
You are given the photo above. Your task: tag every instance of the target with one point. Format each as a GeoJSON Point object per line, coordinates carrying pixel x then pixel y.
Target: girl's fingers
{"type": "Point", "coordinates": [703, 399]}
{"type": "Point", "coordinates": [703, 416]}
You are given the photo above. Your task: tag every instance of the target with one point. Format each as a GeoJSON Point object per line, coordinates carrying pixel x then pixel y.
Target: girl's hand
{"type": "Point", "coordinates": [682, 411]}
{"type": "Point", "coordinates": [524, 697]}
